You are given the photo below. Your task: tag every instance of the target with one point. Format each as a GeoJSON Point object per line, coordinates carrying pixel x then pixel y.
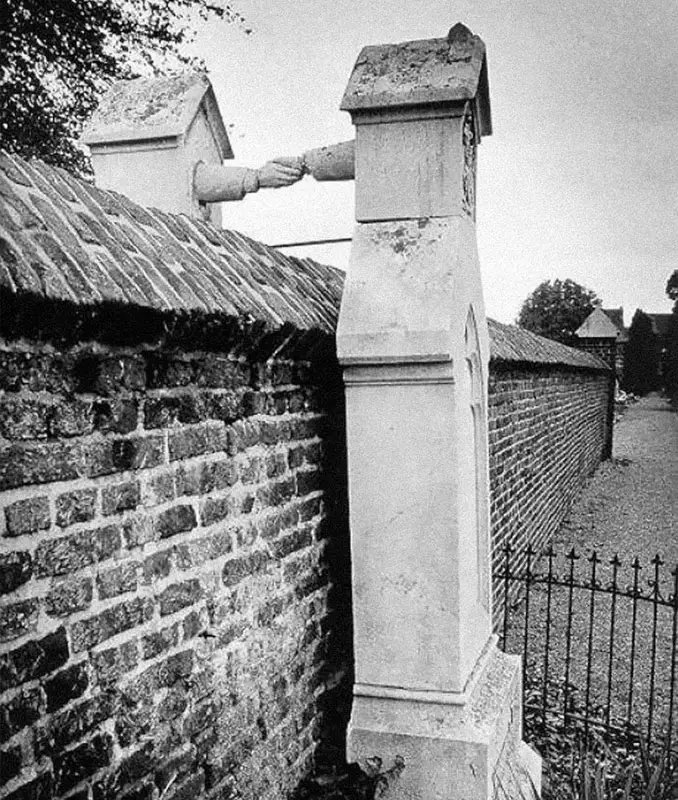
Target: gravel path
{"type": "Point", "coordinates": [628, 508]}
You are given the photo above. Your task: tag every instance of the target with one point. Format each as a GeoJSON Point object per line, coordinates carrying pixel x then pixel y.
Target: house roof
{"type": "Point", "coordinates": [63, 239]}
{"type": "Point", "coordinates": [616, 315]}
{"type": "Point", "coordinates": [597, 325]}
{"type": "Point", "coordinates": [144, 109]}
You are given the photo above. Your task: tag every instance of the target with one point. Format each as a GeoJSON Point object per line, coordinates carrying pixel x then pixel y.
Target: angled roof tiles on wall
{"type": "Point", "coordinates": [62, 238]}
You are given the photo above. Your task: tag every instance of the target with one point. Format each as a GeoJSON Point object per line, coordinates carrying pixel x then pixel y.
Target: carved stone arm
{"type": "Point", "coordinates": [214, 183]}
{"type": "Point", "coordinates": [336, 162]}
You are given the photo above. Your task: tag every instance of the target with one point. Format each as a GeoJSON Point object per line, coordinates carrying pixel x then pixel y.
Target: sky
{"type": "Point", "coordinates": [579, 179]}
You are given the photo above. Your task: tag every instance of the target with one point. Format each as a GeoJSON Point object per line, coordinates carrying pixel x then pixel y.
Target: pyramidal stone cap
{"type": "Point", "coordinates": [422, 72]}
{"type": "Point", "coordinates": [147, 109]}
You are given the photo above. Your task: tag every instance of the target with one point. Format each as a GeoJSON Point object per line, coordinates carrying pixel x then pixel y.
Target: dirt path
{"type": "Point", "coordinates": [629, 508]}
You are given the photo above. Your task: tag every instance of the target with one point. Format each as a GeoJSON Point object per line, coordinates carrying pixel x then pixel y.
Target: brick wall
{"type": "Point", "coordinates": [548, 431]}
{"type": "Point", "coordinates": [173, 575]}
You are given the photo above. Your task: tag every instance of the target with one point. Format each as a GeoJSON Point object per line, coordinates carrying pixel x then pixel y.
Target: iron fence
{"type": "Point", "coordinates": [598, 637]}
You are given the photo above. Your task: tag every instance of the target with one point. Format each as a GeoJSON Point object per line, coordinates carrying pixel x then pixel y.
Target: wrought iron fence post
{"type": "Point", "coordinates": [674, 654]}
{"type": "Point", "coordinates": [572, 557]}
{"type": "Point", "coordinates": [616, 563]}
{"type": "Point", "coordinates": [653, 661]}
{"type": "Point", "coordinates": [589, 656]}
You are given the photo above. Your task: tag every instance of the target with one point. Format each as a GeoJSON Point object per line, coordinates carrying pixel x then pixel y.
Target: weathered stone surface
{"type": "Point", "coordinates": [180, 595]}
{"type": "Point", "coordinates": [18, 618]}
{"type": "Point", "coordinates": [15, 569]}
{"type": "Point", "coordinates": [27, 516]}
{"type": "Point", "coordinates": [33, 659]}
{"type": "Point", "coordinates": [177, 519]}
{"type": "Point", "coordinates": [65, 686]}
{"type": "Point", "coordinates": [90, 632]}
{"type": "Point", "coordinates": [75, 506]}
{"type": "Point", "coordinates": [68, 595]}
{"type": "Point", "coordinates": [120, 497]}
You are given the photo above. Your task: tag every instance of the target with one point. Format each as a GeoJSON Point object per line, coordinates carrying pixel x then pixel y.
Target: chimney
{"type": "Point", "coordinates": [148, 135]}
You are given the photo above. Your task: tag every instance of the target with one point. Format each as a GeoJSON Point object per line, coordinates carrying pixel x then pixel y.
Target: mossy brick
{"type": "Point", "coordinates": [291, 543]}
{"type": "Point", "coordinates": [187, 480]}
{"type": "Point", "coordinates": [131, 769]}
{"type": "Point", "coordinates": [138, 453]}
{"type": "Point", "coordinates": [16, 569]}
{"type": "Point", "coordinates": [117, 581]}
{"type": "Point", "coordinates": [186, 408]}
{"type": "Point", "coordinates": [237, 569]}
{"type": "Point", "coordinates": [118, 415]}
{"type": "Point", "coordinates": [64, 555]}
{"type": "Point", "coordinates": [207, 548]}
{"type": "Point", "coordinates": [11, 762]}
{"type": "Point", "coordinates": [33, 659]}
{"type": "Point", "coordinates": [70, 724]}
{"type": "Point", "coordinates": [68, 595]}
{"type": "Point", "coordinates": [76, 506]}
{"type": "Point", "coordinates": [107, 541]}
{"type": "Point", "coordinates": [177, 519]}
{"type": "Point", "coordinates": [157, 642]}
{"type": "Point", "coordinates": [39, 788]}
{"type": "Point", "coordinates": [217, 475]}
{"type": "Point", "coordinates": [193, 624]}
{"type": "Point", "coordinates": [159, 489]}
{"type": "Point", "coordinates": [309, 508]}
{"type": "Point", "coordinates": [17, 619]}
{"type": "Point", "coordinates": [251, 468]}
{"type": "Point", "coordinates": [168, 371]}
{"type": "Point", "coordinates": [273, 431]}
{"type": "Point", "coordinates": [224, 406]}
{"type": "Point", "coordinates": [24, 418]}
{"type": "Point", "coordinates": [36, 372]}
{"type": "Point", "coordinates": [111, 664]}
{"type": "Point", "coordinates": [252, 403]}
{"type": "Point", "coordinates": [27, 516]}
{"type": "Point", "coordinates": [120, 497]}
{"type": "Point", "coordinates": [73, 417]}
{"type": "Point", "coordinates": [95, 630]}
{"type": "Point", "coordinates": [108, 375]}
{"type": "Point", "coordinates": [214, 509]}
{"type": "Point", "coordinates": [276, 465]}
{"type": "Point", "coordinates": [295, 456]}
{"type": "Point", "coordinates": [138, 530]}
{"type": "Point", "coordinates": [221, 373]}
{"type": "Point", "coordinates": [309, 481]}
{"type": "Point", "coordinates": [179, 596]}
{"type": "Point", "coordinates": [66, 685]}
{"type": "Point", "coordinates": [73, 766]}
{"type": "Point", "coordinates": [272, 525]}
{"type": "Point", "coordinates": [19, 711]}
{"type": "Point", "coordinates": [25, 463]}
{"type": "Point", "coordinates": [188, 442]}
{"type": "Point", "coordinates": [276, 493]}
{"type": "Point", "coordinates": [157, 566]}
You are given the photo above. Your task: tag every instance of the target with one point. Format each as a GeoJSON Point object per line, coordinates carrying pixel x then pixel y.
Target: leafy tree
{"type": "Point", "coordinates": [671, 358]}
{"type": "Point", "coordinates": [555, 309]}
{"type": "Point", "coordinates": [641, 359]}
{"type": "Point", "coordinates": [57, 56]}
{"type": "Point", "coordinates": [672, 289]}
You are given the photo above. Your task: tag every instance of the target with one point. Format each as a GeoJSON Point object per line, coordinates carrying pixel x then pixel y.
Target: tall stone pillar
{"type": "Point", "coordinates": [431, 686]}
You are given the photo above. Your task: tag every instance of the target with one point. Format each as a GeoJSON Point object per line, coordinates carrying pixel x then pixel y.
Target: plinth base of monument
{"type": "Point", "coordinates": [455, 746]}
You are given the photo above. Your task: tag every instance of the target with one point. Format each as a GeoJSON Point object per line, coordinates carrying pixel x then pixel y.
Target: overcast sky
{"type": "Point", "coordinates": [579, 179]}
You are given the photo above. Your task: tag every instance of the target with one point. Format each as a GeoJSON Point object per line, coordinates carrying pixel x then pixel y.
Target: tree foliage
{"type": "Point", "coordinates": [672, 289]}
{"type": "Point", "coordinates": [58, 56]}
{"type": "Point", "coordinates": [641, 358]}
{"type": "Point", "coordinates": [671, 357]}
{"type": "Point", "coordinates": [555, 309]}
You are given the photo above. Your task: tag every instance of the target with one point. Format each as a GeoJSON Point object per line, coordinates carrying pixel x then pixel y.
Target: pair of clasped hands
{"type": "Point", "coordinates": [282, 171]}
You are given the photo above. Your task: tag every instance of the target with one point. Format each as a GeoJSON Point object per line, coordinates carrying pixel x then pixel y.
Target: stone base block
{"type": "Point", "coordinates": [454, 746]}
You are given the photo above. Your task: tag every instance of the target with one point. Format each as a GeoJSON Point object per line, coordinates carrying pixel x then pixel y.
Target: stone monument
{"type": "Point", "coordinates": [431, 687]}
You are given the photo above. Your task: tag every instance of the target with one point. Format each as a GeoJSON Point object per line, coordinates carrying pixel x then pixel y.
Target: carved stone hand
{"type": "Point", "coordinates": [283, 171]}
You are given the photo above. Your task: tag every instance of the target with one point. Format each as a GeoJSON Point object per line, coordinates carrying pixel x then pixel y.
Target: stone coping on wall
{"type": "Point", "coordinates": [63, 240]}
{"type": "Point", "coordinates": [66, 245]}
